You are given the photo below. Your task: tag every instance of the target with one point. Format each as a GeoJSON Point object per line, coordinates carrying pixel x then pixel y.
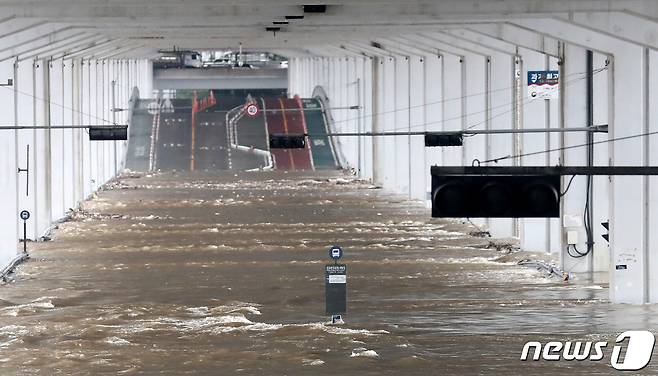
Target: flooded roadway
{"type": "Point", "coordinates": [220, 274]}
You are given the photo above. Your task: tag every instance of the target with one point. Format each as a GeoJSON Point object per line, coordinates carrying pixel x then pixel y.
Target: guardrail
{"type": "Point", "coordinates": [232, 117]}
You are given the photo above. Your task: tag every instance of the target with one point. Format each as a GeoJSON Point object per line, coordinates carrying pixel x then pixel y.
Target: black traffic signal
{"type": "Point", "coordinates": [108, 133]}
{"type": "Point", "coordinates": [443, 139]}
{"type": "Point", "coordinates": [315, 8]}
{"type": "Point", "coordinates": [496, 196]}
{"type": "Point", "coordinates": [606, 226]}
{"type": "Point", "coordinates": [290, 141]}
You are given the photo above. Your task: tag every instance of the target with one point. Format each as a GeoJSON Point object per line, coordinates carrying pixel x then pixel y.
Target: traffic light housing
{"type": "Point", "coordinates": [287, 141]}
{"type": "Point", "coordinates": [108, 133]}
{"type": "Point", "coordinates": [443, 139]}
{"type": "Point", "coordinates": [495, 196]}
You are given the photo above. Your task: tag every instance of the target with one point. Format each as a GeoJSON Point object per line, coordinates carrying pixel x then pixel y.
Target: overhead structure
{"type": "Point", "coordinates": [412, 66]}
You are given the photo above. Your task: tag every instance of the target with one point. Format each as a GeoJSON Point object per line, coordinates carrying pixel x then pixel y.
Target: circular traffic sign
{"type": "Point", "coordinates": [25, 215]}
{"type": "Point", "coordinates": [252, 110]}
{"type": "Point", "coordinates": [335, 252]}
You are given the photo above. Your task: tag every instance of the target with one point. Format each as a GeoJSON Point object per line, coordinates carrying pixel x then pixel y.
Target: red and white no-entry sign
{"type": "Point", "coordinates": [252, 110]}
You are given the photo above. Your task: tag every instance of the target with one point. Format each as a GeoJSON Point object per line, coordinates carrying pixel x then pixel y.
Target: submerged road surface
{"type": "Point", "coordinates": [223, 274]}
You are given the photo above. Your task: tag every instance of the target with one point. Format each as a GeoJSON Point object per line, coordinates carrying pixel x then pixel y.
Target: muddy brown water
{"type": "Point", "coordinates": [222, 274]}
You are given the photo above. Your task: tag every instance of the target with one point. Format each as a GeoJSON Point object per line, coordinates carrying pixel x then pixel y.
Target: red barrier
{"type": "Point", "coordinates": [280, 120]}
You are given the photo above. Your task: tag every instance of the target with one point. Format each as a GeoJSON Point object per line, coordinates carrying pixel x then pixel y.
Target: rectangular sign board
{"type": "Point", "coordinates": [108, 133]}
{"type": "Point", "coordinates": [335, 283]}
{"type": "Point", "coordinates": [543, 84]}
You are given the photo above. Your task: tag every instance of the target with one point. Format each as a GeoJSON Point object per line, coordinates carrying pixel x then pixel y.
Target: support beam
{"type": "Point", "coordinates": [27, 40]}
{"type": "Point", "coordinates": [100, 48]}
{"type": "Point", "coordinates": [551, 171]}
{"type": "Point", "coordinates": [60, 46]}
{"type": "Point", "coordinates": [117, 52]}
{"type": "Point", "coordinates": [515, 35]}
{"type": "Point", "coordinates": [73, 50]}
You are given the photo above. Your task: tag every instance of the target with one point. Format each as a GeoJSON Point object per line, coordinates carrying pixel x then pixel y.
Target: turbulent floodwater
{"type": "Point", "coordinates": [222, 274]}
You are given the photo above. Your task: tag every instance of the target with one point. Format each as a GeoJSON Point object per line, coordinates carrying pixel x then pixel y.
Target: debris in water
{"type": "Point", "coordinates": [553, 271]}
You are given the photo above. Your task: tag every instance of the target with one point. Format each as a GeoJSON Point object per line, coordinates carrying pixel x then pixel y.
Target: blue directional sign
{"type": "Point", "coordinates": [336, 252]}
{"type": "Point", "coordinates": [543, 84]}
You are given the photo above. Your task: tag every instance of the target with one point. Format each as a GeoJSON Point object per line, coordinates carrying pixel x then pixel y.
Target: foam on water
{"type": "Point", "coordinates": [228, 319]}
{"type": "Point", "coordinates": [331, 329]}
{"type": "Point", "coordinates": [150, 217]}
{"type": "Point", "coordinates": [255, 327]}
{"type": "Point", "coordinates": [362, 352]}
{"type": "Point", "coordinates": [238, 307]}
{"type": "Point", "coordinates": [577, 287]}
{"type": "Point", "coordinates": [41, 303]}
{"type": "Point", "coordinates": [469, 260]}
{"type": "Point", "coordinates": [449, 260]}
{"type": "Point", "coordinates": [198, 311]}
{"type": "Point", "coordinates": [118, 341]}
{"type": "Point", "coordinates": [183, 325]}
{"type": "Point", "coordinates": [312, 362]}
{"type": "Point", "coordinates": [13, 333]}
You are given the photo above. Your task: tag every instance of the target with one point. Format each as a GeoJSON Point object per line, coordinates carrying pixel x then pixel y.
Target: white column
{"type": "Point", "coordinates": [418, 174]}
{"type": "Point", "coordinates": [96, 151]}
{"type": "Point", "coordinates": [652, 183]}
{"type": "Point", "coordinates": [501, 115]}
{"type": "Point", "coordinates": [388, 110]}
{"type": "Point", "coordinates": [433, 116]}
{"type": "Point", "coordinates": [367, 118]}
{"type": "Point", "coordinates": [66, 103]}
{"type": "Point", "coordinates": [25, 116]}
{"type": "Point", "coordinates": [453, 105]}
{"type": "Point", "coordinates": [401, 109]}
{"type": "Point", "coordinates": [57, 161]}
{"type": "Point", "coordinates": [629, 218]}
{"type": "Point", "coordinates": [8, 189]}
{"type": "Point", "coordinates": [41, 177]}
{"type": "Point", "coordinates": [535, 232]}
{"type": "Point", "coordinates": [378, 108]}
{"type": "Point", "coordinates": [87, 100]}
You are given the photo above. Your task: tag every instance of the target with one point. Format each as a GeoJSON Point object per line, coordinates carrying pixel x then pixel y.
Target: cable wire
{"type": "Point", "coordinates": [64, 107]}
{"type": "Point", "coordinates": [369, 115]}
{"type": "Point", "coordinates": [568, 186]}
{"type": "Point", "coordinates": [578, 253]}
{"type": "Point", "coordinates": [524, 102]}
{"type": "Point", "coordinates": [50, 102]}
{"type": "Point", "coordinates": [426, 104]}
{"type": "Point", "coordinates": [496, 160]}
{"type": "Point", "coordinates": [587, 224]}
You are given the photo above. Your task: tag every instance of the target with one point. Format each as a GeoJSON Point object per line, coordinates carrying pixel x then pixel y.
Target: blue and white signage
{"type": "Point", "coordinates": [336, 252]}
{"type": "Point", "coordinates": [543, 84]}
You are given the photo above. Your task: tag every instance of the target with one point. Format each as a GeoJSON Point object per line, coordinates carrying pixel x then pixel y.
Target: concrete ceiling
{"type": "Point", "coordinates": [138, 28]}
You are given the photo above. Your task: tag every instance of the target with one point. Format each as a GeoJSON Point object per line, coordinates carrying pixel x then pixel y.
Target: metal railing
{"type": "Point", "coordinates": [232, 117]}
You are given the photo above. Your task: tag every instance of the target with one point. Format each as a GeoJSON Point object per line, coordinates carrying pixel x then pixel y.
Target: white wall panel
{"type": "Point", "coordinates": [8, 188]}
{"type": "Point", "coordinates": [65, 167]}
{"type": "Point", "coordinates": [25, 116]}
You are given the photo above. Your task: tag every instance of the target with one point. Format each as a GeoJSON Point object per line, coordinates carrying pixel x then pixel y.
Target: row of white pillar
{"type": "Point", "coordinates": [64, 166]}
{"type": "Point", "coordinates": [457, 88]}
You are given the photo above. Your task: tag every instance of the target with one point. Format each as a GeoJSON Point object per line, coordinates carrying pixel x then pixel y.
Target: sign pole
{"type": "Point", "coordinates": [24, 215]}
{"type": "Point", "coordinates": [335, 287]}
{"type": "Point", "coordinates": [24, 236]}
